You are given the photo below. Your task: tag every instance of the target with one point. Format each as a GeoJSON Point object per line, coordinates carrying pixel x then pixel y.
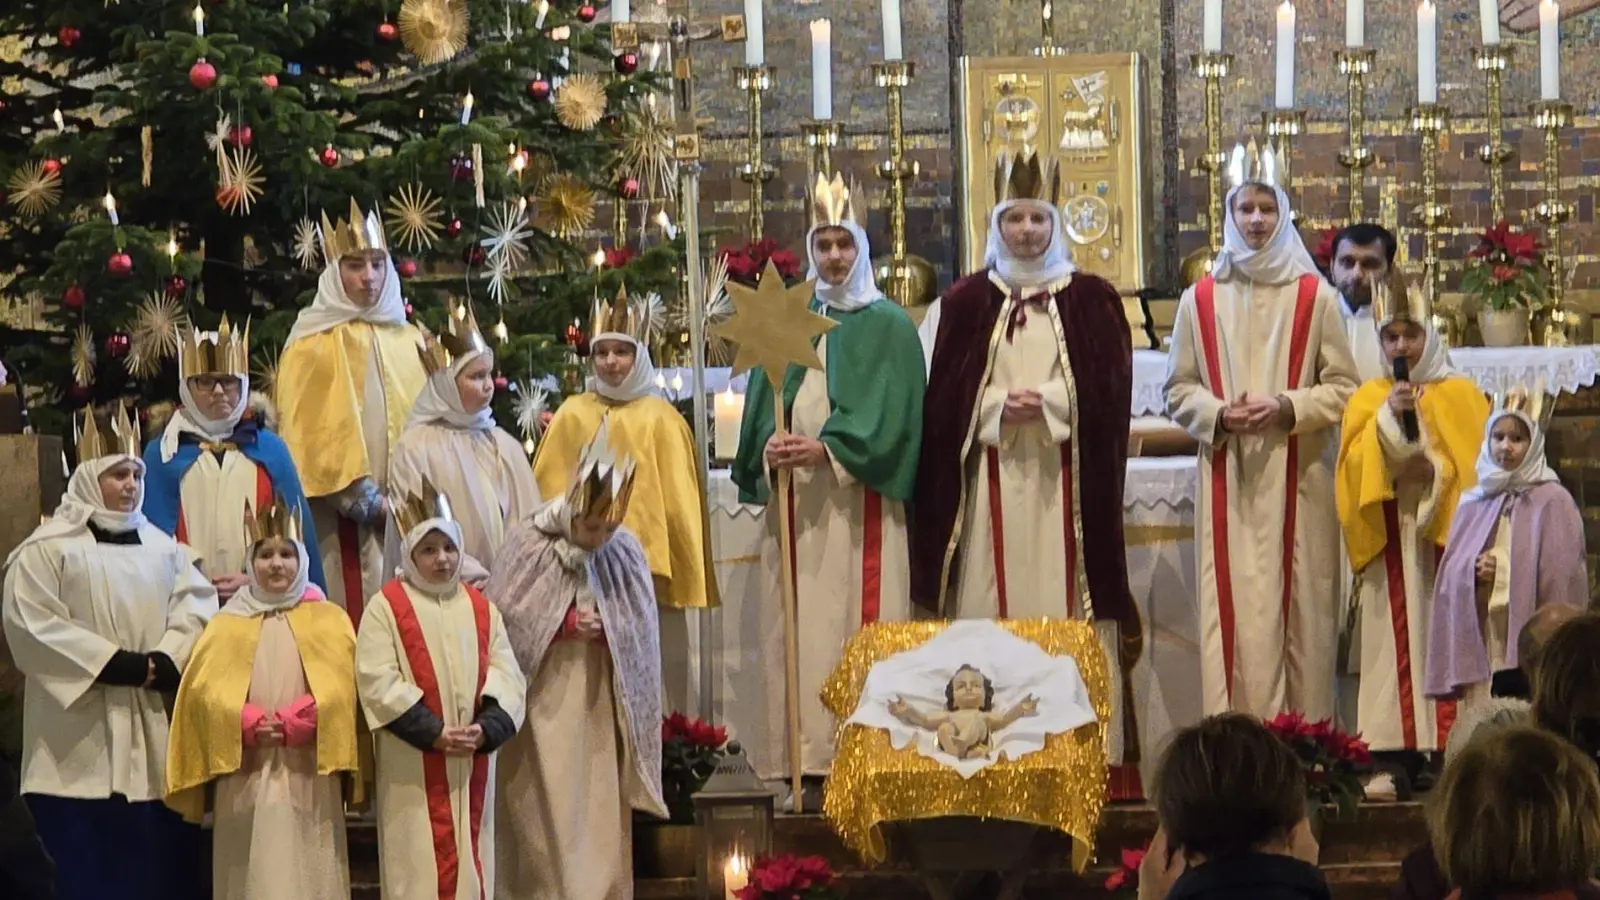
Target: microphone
{"type": "Point", "coordinates": [1408, 419]}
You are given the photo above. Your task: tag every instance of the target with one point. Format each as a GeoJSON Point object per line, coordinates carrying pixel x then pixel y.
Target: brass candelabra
{"type": "Point", "coordinates": [895, 275]}
{"type": "Point", "coordinates": [1430, 121]}
{"type": "Point", "coordinates": [1213, 67]}
{"type": "Point", "coordinates": [1282, 127]}
{"type": "Point", "coordinates": [1047, 31]}
{"type": "Point", "coordinates": [755, 81]}
{"type": "Point", "coordinates": [1563, 325]}
{"type": "Point", "coordinates": [1354, 64]}
{"type": "Point", "coordinates": [822, 135]}
{"type": "Point", "coordinates": [1492, 62]}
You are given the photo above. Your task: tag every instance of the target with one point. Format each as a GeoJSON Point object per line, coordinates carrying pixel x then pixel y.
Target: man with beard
{"type": "Point", "coordinates": [1363, 254]}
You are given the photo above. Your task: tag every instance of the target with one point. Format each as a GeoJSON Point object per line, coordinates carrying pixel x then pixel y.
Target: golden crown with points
{"type": "Point", "coordinates": [1531, 401]}
{"type": "Point", "coordinates": [225, 351]}
{"type": "Point", "coordinates": [1252, 164]}
{"type": "Point", "coordinates": [603, 484]}
{"type": "Point", "coordinates": [357, 234]}
{"type": "Point", "coordinates": [117, 436]}
{"type": "Point", "coordinates": [460, 337]}
{"type": "Point", "coordinates": [1026, 176]}
{"type": "Point", "coordinates": [411, 510]}
{"type": "Point", "coordinates": [1395, 300]}
{"type": "Point", "coordinates": [618, 316]}
{"type": "Point", "coordinates": [833, 203]}
{"type": "Point", "coordinates": [276, 520]}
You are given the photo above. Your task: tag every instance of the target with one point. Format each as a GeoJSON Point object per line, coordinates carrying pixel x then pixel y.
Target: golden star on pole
{"type": "Point", "coordinates": [773, 325]}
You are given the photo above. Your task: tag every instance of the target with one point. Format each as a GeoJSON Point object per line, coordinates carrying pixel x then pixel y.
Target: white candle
{"type": "Point", "coordinates": [755, 35]}
{"type": "Point", "coordinates": [1211, 30]}
{"type": "Point", "coordinates": [729, 413]}
{"type": "Point", "coordinates": [199, 21]}
{"type": "Point", "coordinates": [1427, 53]}
{"type": "Point", "coordinates": [621, 11]}
{"type": "Point", "coordinates": [1549, 50]}
{"type": "Point", "coordinates": [891, 31]}
{"type": "Point", "coordinates": [111, 208]}
{"type": "Point", "coordinates": [1355, 23]}
{"type": "Point", "coordinates": [822, 69]}
{"type": "Point", "coordinates": [544, 10]}
{"type": "Point", "coordinates": [736, 874]}
{"type": "Point", "coordinates": [1284, 95]}
{"type": "Point", "coordinates": [1489, 21]}
{"type": "Point", "coordinates": [466, 107]}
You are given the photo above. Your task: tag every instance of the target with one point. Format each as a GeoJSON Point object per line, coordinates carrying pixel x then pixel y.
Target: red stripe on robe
{"type": "Point", "coordinates": [435, 765]}
{"type": "Point", "coordinates": [350, 568]}
{"type": "Point", "coordinates": [1399, 621]}
{"type": "Point", "coordinates": [1206, 318]}
{"type": "Point", "coordinates": [871, 557]}
{"type": "Point", "coordinates": [997, 528]}
{"type": "Point", "coordinates": [1305, 304]}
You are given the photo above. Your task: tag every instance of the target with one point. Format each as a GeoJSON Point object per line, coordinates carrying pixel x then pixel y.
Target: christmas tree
{"type": "Point", "coordinates": [167, 163]}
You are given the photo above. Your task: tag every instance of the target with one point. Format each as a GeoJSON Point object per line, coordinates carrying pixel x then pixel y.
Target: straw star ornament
{"type": "Point", "coordinates": [773, 326]}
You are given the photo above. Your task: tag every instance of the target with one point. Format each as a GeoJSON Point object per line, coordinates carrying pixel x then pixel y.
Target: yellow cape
{"type": "Point", "coordinates": [667, 511]}
{"type": "Point", "coordinates": [205, 742]}
{"type": "Point", "coordinates": [321, 382]}
{"type": "Point", "coordinates": [1452, 414]}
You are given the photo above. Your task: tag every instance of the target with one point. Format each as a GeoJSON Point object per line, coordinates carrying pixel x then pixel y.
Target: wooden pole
{"type": "Point", "coordinates": [791, 600]}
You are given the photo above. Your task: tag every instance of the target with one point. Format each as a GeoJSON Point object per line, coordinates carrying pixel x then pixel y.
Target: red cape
{"type": "Point", "coordinates": [1101, 354]}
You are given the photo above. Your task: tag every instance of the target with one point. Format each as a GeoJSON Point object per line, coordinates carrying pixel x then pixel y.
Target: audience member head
{"type": "Point", "coordinates": [1536, 633]}
{"type": "Point", "coordinates": [1517, 812]}
{"type": "Point", "coordinates": [1227, 786]}
{"type": "Point", "coordinates": [1363, 253]}
{"type": "Point", "coordinates": [1484, 719]}
{"type": "Point", "coordinates": [1566, 681]}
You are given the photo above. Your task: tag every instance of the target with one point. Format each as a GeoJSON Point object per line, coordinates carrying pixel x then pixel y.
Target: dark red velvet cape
{"type": "Point", "coordinates": [1101, 353]}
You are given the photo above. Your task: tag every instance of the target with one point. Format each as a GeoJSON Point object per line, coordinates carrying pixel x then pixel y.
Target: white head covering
{"type": "Point", "coordinates": [1052, 265]}
{"type": "Point", "coordinates": [190, 419]}
{"type": "Point", "coordinates": [860, 288]}
{"type": "Point", "coordinates": [83, 504]}
{"type": "Point", "coordinates": [440, 400]}
{"type": "Point", "coordinates": [1492, 479]}
{"type": "Point", "coordinates": [333, 308]}
{"type": "Point", "coordinates": [409, 569]}
{"type": "Point", "coordinates": [254, 600]}
{"type": "Point", "coordinates": [1284, 257]}
{"type": "Point", "coordinates": [638, 381]}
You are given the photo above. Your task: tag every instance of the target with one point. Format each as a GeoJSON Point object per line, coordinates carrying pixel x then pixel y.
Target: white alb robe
{"type": "Point", "coordinates": [435, 813]}
{"type": "Point", "coordinates": [70, 604]}
{"type": "Point", "coordinates": [1268, 532]}
{"type": "Point", "coordinates": [485, 474]}
{"type": "Point", "coordinates": [1366, 348]}
{"type": "Point", "coordinates": [354, 550]}
{"type": "Point", "coordinates": [213, 496]}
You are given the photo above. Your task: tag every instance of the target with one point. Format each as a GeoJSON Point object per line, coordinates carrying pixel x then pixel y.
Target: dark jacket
{"type": "Point", "coordinates": [1420, 878]}
{"type": "Point", "coordinates": [1252, 876]}
{"type": "Point", "coordinates": [26, 872]}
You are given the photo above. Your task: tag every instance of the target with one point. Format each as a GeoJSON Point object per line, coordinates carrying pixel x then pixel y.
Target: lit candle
{"type": "Point", "coordinates": [755, 37]}
{"type": "Point", "coordinates": [1355, 22]}
{"type": "Point", "coordinates": [661, 382]}
{"type": "Point", "coordinates": [111, 208]}
{"type": "Point", "coordinates": [1489, 21]}
{"type": "Point", "coordinates": [199, 21]}
{"type": "Point", "coordinates": [667, 228]}
{"type": "Point", "coordinates": [621, 11]}
{"type": "Point", "coordinates": [1284, 95]}
{"type": "Point", "coordinates": [822, 69]}
{"type": "Point", "coordinates": [466, 108]}
{"type": "Point", "coordinates": [1427, 52]}
{"type": "Point", "coordinates": [677, 381]}
{"type": "Point", "coordinates": [891, 31]}
{"type": "Point", "coordinates": [736, 874]}
{"type": "Point", "coordinates": [599, 257]}
{"type": "Point", "coordinates": [1211, 27]}
{"type": "Point", "coordinates": [172, 247]}
{"type": "Point", "coordinates": [1549, 50]}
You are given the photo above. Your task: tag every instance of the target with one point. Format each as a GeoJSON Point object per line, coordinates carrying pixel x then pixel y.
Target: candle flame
{"type": "Point", "coordinates": [599, 258]}
{"type": "Point", "coordinates": [110, 203]}
{"type": "Point", "coordinates": [172, 245]}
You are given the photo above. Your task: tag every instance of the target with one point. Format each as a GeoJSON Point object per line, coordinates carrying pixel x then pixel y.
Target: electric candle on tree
{"type": "Point", "coordinates": [1427, 53]}
{"type": "Point", "coordinates": [1549, 50]}
{"type": "Point", "coordinates": [822, 69]}
{"type": "Point", "coordinates": [1284, 97]}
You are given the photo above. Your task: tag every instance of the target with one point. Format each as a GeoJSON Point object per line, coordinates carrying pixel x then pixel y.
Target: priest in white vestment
{"type": "Point", "coordinates": [442, 693]}
{"type": "Point", "coordinates": [101, 611]}
{"type": "Point", "coordinates": [452, 441]}
{"type": "Point", "coordinates": [1259, 374]}
{"type": "Point", "coordinates": [1363, 255]}
{"type": "Point", "coordinates": [575, 589]}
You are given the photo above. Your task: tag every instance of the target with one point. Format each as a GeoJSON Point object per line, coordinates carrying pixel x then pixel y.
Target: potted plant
{"type": "Point", "coordinates": [1334, 764]}
{"type": "Point", "coordinates": [1506, 273]}
{"type": "Point", "coordinates": [788, 877]}
{"type": "Point", "coordinates": [690, 751]}
{"type": "Point", "coordinates": [746, 263]}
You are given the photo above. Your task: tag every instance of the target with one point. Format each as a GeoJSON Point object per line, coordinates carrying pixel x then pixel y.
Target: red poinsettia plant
{"type": "Point", "coordinates": [690, 751]}
{"type": "Point", "coordinates": [1323, 254]}
{"type": "Point", "coordinates": [746, 263]}
{"type": "Point", "coordinates": [789, 877]}
{"type": "Point", "coordinates": [1506, 270]}
{"type": "Point", "coordinates": [1126, 878]}
{"type": "Point", "coordinates": [1334, 761]}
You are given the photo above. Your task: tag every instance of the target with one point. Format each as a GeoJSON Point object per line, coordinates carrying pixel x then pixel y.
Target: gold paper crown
{"type": "Point", "coordinates": [1252, 164]}
{"type": "Point", "coordinates": [225, 351]}
{"type": "Point", "coordinates": [359, 233]}
{"type": "Point", "coordinates": [1393, 300]}
{"type": "Point", "coordinates": [119, 436]}
{"type": "Point", "coordinates": [1532, 402]}
{"type": "Point", "coordinates": [1026, 176]}
{"type": "Point", "coordinates": [412, 510]}
{"type": "Point", "coordinates": [833, 203]}
{"type": "Point", "coordinates": [618, 316]}
{"type": "Point", "coordinates": [603, 484]}
{"type": "Point", "coordinates": [459, 338]}
{"type": "Point", "coordinates": [276, 520]}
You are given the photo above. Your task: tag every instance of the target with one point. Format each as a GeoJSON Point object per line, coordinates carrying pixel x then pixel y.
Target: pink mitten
{"type": "Point", "coordinates": [249, 719]}
{"type": "Point", "coordinates": [299, 721]}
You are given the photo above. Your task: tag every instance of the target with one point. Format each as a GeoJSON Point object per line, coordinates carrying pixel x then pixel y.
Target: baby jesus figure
{"type": "Point", "coordinates": [965, 728]}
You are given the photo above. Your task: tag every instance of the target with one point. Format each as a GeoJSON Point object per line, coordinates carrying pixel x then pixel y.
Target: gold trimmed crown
{"type": "Point", "coordinates": [459, 338]}
{"type": "Point", "coordinates": [276, 520]}
{"type": "Point", "coordinates": [1531, 401]}
{"type": "Point", "coordinates": [225, 351]}
{"type": "Point", "coordinates": [1026, 176]}
{"type": "Point", "coordinates": [359, 233]}
{"type": "Point", "coordinates": [618, 316]}
{"type": "Point", "coordinates": [1252, 164]}
{"type": "Point", "coordinates": [411, 510]}
{"type": "Point", "coordinates": [833, 203]}
{"type": "Point", "coordinates": [603, 484]}
{"type": "Point", "coordinates": [117, 436]}
{"type": "Point", "coordinates": [1395, 300]}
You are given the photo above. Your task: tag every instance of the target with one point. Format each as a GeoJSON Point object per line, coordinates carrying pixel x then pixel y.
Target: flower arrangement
{"type": "Point", "coordinates": [690, 751]}
{"type": "Point", "coordinates": [1126, 877]}
{"type": "Point", "coordinates": [1333, 760]}
{"type": "Point", "coordinates": [746, 263]}
{"type": "Point", "coordinates": [1506, 269]}
{"type": "Point", "coordinates": [789, 877]}
{"type": "Point", "coordinates": [1323, 254]}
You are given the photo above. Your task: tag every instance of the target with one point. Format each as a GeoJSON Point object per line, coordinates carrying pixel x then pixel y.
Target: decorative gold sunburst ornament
{"type": "Point", "coordinates": [217, 137]}
{"type": "Point", "coordinates": [83, 357]}
{"type": "Point", "coordinates": [239, 182]}
{"type": "Point", "coordinates": [645, 151]}
{"type": "Point", "coordinates": [34, 189]}
{"type": "Point", "coordinates": [435, 30]}
{"type": "Point", "coordinates": [306, 248]}
{"type": "Point", "coordinates": [264, 374]}
{"type": "Point", "coordinates": [414, 217]}
{"type": "Point", "coordinates": [566, 205]}
{"type": "Point", "coordinates": [155, 329]}
{"type": "Point", "coordinates": [581, 102]}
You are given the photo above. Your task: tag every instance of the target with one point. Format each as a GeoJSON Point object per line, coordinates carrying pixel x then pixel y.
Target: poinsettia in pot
{"type": "Point", "coordinates": [1334, 762]}
{"type": "Point", "coordinates": [1506, 273]}
{"type": "Point", "coordinates": [745, 264]}
{"type": "Point", "coordinates": [690, 751]}
{"type": "Point", "coordinates": [788, 877]}
{"type": "Point", "coordinates": [1124, 881]}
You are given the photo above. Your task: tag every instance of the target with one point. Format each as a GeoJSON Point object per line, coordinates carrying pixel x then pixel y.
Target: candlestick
{"type": "Point", "coordinates": [755, 81]}
{"type": "Point", "coordinates": [1355, 23]}
{"type": "Point", "coordinates": [1211, 27]}
{"type": "Point", "coordinates": [1551, 117]}
{"type": "Point", "coordinates": [893, 77]}
{"type": "Point", "coordinates": [1354, 64]}
{"type": "Point", "coordinates": [755, 36]}
{"type": "Point", "coordinates": [1492, 60]}
{"type": "Point", "coordinates": [1489, 21]}
{"type": "Point", "coordinates": [1549, 50]}
{"type": "Point", "coordinates": [1282, 127]}
{"type": "Point", "coordinates": [1429, 121]}
{"type": "Point", "coordinates": [822, 69]}
{"type": "Point", "coordinates": [892, 51]}
{"type": "Point", "coordinates": [1427, 53]}
{"type": "Point", "coordinates": [822, 135]}
{"type": "Point", "coordinates": [729, 414]}
{"type": "Point", "coordinates": [1047, 30]}
{"type": "Point", "coordinates": [1213, 67]}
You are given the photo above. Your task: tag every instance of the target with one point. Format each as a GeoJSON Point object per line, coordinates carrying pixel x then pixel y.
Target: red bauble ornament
{"type": "Point", "coordinates": [474, 255]}
{"type": "Point", "coordinates": [240, 135]}
{"type": "Point", "coordinates": [118, 344]}
{"type": "Point", "coordinates": [82, 393]}
{"type": "Point", "coordinates": [625, 63]}
{"type": "Point", "coordinates": [387, 32]}
{"type": "Point", "coordinates": [628, 188]}
{"type": "Point", "coordinates": [202, 75]}
{"type": "Point", "coordinates": [270, 80]}
{"type": "Point", "coordinates": [586, 14]}
{"type": "Point", "coordinates": [329, 156]}
{"type": "Point", "coordinates": [406, 268]}
{"type": "Point", "coordinates": [539, 89]}
{"type": "Point", "coordinates": [461, 167]}
{"type": "Point", "coordinates": [119, 265]}
{"type": "Point", "coordinates": [501, 383]}
{"type": "Point", "coordinates": [51, 166]}
{"type": "Point", "coordinates": [68, 36]}
{"type": "Point", "coordinates": [73, 297]}
{"type": "Point", "coordinates": [453, 228]}
{"type": "Point", "coordinates": [175, 286]}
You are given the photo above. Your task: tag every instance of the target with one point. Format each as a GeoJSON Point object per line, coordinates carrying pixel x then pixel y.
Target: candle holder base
{"type": "Point", "coordinates": [893, 73]}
